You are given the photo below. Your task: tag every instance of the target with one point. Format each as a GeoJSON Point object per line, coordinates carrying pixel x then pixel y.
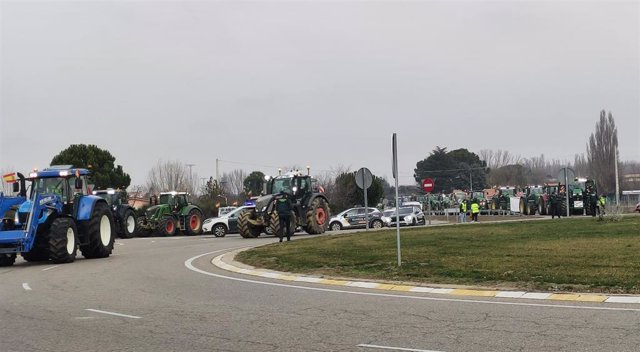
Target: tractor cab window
{"type": "Point", "coordinates": [166, 199]}
{"type": "Point", "coordinates": [49, 186]}
{"type": "Point", "coordinates": [282, 184]}
{"type": "Point", "coordinates": [181, 201]}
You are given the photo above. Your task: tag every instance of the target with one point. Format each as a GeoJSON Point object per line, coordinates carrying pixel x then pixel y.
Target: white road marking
{"type": "Point", "coordinates": [189, 265]}
{"type": "Point", "coordinates": [26, 286]}
{"type": "Point", "coordinates": [51, 267]}
{"type": "Point", "coordinates": [112, 313]}
{"type": "Point", "coordinates": [120, 244]}
{"type": "Point", "coordinates": [153, 241]}
{"type": "Point", "coordinates": [394, 348]}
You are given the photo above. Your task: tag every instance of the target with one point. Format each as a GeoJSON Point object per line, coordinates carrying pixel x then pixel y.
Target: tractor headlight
{"type": "Point", "coordinates": [16, 218]}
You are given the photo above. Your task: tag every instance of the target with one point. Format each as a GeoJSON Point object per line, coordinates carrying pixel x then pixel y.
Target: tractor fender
{"type": "Point", "coordinates": [314, 196]}
{"type": "Point", "coordinates": [185, 211]}
{"type": "Point", "coordinates": [85, 207]}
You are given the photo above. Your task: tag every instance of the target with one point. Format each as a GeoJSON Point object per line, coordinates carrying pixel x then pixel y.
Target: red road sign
{"type": "Point", "coordinates": [427, 185]}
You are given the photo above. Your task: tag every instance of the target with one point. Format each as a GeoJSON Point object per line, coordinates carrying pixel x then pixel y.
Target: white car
{"type": "Point", "coordinates": [409, 216]}
{"type": "Point", "coordinates": [224, 224]}
{"type": "Point", "coordinates": [354, 218]}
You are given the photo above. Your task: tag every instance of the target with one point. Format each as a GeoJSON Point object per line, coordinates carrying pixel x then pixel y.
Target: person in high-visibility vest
{"type": "Point", "coordinates": [463, 210]}
{"type": "Point", "coordinates": [475, 210]}
{"type": "Point", "coordinates": [601, 203]}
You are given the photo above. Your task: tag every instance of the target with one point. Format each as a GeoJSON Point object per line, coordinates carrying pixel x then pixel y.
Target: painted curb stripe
{"type": "Point", "coordinates": [334, 282]}
{"type": "Point", "coordinates": [510, 294]}
{"type": "Point", "coordinates": [591, 298]}
{"type": "Point", "coordinates": [461, 292]}
{"type": "Point", "coordinates": [563, 297]}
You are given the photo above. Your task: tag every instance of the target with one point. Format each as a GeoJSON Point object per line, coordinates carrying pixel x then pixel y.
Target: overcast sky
{"type": "Point", "coordinates": [262, 84]}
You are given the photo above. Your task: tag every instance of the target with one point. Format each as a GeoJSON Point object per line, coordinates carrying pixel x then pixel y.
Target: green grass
{"type": "Point", "coordinates": [580, 254]}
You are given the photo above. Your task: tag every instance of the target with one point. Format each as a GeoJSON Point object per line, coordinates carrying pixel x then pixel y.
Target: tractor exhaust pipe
{"type": "Point", "coordinates": [23, 187]}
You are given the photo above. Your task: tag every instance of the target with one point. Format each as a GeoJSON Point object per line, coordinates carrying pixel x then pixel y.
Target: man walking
{"type": "Point", "coordinates": [475, 210]}
{"type": "Point", "coordinates": [284, 208]}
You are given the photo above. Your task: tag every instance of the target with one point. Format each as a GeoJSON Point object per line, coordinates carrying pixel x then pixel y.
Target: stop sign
{"type": "Point", "coordinates": [427, 185]}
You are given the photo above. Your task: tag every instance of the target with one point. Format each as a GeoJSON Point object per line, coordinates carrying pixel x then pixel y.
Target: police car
{"type": "Point", "coordinates": [354, 218]}
{"type": "Point", "coordinates": [224, 224]}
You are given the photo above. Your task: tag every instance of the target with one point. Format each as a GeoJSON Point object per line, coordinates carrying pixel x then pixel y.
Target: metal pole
{"type": "Point", "coordinates": [429, 208]}
{"type": "Point", "coordinates": [471, 182]}
{"type": "Point", "coordinates": [566, 187]}
{"type": "Point", "coordinates": [217, 174]}
{"type": "Point", "coordinates": [615, 158]}
{"type": "Point", "coordinates": [366, 205]}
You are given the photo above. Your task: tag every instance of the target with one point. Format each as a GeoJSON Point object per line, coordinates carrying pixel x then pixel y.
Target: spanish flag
{"type": "Point", "coordinates": [9, 178]}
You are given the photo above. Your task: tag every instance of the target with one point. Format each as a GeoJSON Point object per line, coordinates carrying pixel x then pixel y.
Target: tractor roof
{"type": "Point", "coordinates": [58, 171]}
{"type": "Point", "coordinates": [173, 193]}
{"type": "Point", "coordinates": [107, 191]}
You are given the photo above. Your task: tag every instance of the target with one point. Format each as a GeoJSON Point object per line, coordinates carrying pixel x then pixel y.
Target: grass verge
{"type": "Point", "coordinates": [580, 254]}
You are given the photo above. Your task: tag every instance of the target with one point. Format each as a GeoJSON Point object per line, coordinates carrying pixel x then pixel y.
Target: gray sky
{"type": "Point", "coordinates": [320, 83]}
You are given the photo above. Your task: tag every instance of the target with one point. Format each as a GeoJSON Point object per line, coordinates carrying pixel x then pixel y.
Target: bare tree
{"type": "Point", "coordinates": [497, 159]}
{"type": "Point", "coordinates": [171, 176]}
{"type": "Point", "coordinates": [233, 182]}
{"type": "Point", "coordinates": [601, 152]}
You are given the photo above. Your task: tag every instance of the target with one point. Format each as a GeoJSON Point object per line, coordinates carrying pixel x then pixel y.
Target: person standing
{"type": "Point", "coordinates": [463, 211]}
{"type": "Point", "coordinates": [602, 201]}
{"type": "Point", "coordinates": [284, 208]}
{"type": "Point", "coordinates": [475, 210]}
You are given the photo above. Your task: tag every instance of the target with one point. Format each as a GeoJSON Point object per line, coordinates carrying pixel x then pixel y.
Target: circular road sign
{"type": "Point", "coordinates": [364, 178]}
{"type": "Point", "coordinates": [427, 185]}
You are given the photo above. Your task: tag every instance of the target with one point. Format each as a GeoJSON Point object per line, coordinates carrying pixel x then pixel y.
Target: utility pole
{"type": "Point", "coordinates": [217, 173]}
{"type": "Point", "coordinates": [190, 174]}
{"type": "Point", "coordinates": [615, 158]}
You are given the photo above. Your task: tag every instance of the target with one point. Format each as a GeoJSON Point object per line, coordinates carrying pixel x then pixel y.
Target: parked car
{"type": "Point", "coordinates": [354, 218]}
{"type": "Point", "coordinates": [224, 224]}
{"type": "Point", "coordinates": [409, 216]}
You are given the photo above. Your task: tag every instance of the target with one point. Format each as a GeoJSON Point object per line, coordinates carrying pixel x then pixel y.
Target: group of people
{"type": "Point", "coordinates": [475, 210]}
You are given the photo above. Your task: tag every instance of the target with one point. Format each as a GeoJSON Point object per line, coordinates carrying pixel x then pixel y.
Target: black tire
{"type": "Point", "coordinates": [193, 223]}
{"type": "Point", "coordinates": [414, 222]}
{"type": "Point", "coordinates": [377, 224]}
{"type": "Point", "coordinates": [129, 225]}
{"type": "Point", "coordinates": [532, 208]}
{"type": "Point", "coordinates": [522, 207]}
{"type": "Point", "coordinates": [63, 241]}
{"type": "Point", "coordinates": [168, 226]}
{"type": "Point", "coordinates": [543, 207]}
{"type": "Point", "coordinates": [100, 232]}
{"type": "Point", "coordinates": [274, 224]}
{"type": "Point", "coordinates": [38, 252]}
{"type": "Point", "coordinates": [141, 229]}
{"type": "Point", "coordinates": [219, 230]}
{"type": "Point", "coordinates": [335, 226]}
{"type": "Point", "coordinates": [246, 229]}
{"type": "Point", "coordinates": [7, 259]}
{"type": "Point", "coordinates": [317, 216]}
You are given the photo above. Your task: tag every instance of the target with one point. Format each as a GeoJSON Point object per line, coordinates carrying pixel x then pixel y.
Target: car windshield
{"type": "Point", "coordinates": [406, 211]}
{"type": "Point", "coordinates": [234, 212]}
{"type": "Point", "coordinates": [389, 212]}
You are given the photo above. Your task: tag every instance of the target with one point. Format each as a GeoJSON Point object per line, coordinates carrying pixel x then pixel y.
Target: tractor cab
{"type": "Point", "coordinates": [113, 197]}
{"type": "Point", "coordinates": [175, 200]}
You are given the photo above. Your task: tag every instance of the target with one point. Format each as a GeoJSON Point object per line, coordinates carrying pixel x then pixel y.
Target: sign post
{"type": "Point", "coordinates": [364, 179]}
{"type": "Point", "coordinates": [394, 170]}
{"type": "Point", "coordinates": [427, 186]}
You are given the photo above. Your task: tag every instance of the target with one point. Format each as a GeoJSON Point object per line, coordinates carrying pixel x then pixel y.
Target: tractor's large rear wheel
{"type": "Point", "coordinates": [523, 207]}
{"type": "Point", "coordinates": [100, 232]}
{"type": "Point", "coordinates": [129, 224]}
{"type": "Point", "coordinates": [194, 223]}
{"type": "Point", "coordinates": [143, 228]}
{"type": "Point", "coordinates": [543, 207]}
{"type": "Point", "coordinates": [246, 229]}
{"type": "Point", "coordinates": [274, 224]}
{"type": "Point", "coordinates": [317, 216]}
{"type": "Point", "coordinates": [63, 241]}
{"type": "Point", "coordinates": [7, 259]}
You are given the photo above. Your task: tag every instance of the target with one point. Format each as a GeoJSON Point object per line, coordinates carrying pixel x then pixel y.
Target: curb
{"type": "Point", "coordinates": [566, 297]}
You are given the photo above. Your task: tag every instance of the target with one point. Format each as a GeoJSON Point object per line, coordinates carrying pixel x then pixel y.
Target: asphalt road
{"type": "Point", "coordinates": [163, 294]}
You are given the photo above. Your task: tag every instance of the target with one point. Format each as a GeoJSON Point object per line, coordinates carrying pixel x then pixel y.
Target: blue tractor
{"type": "Point", "coordinates": [9, 204]}
{"type": "Point", "coordinates": [59, 217]}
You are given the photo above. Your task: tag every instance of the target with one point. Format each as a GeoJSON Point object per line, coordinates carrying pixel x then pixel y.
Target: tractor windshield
{"type": "Point", "coordinates": [281, 184]}
{"type": "Point", "coordinates": [508, 192]}
{"type": "Point", "coordinates": [167, 199]}
{"type": "Point", "coordinates": [536, 190]}
{"type": "Point", "coordinates": [49, 186]}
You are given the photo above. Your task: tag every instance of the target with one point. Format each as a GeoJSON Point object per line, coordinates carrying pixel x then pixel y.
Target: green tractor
{"type": "Point", "coordinates": [583, 198]}
{"type": "Point", "coordinates": [170, 214]}
{"type": "Point", "coordinates": [311, 207]}
{"type": "Point", "coordinates": [501, 200]}
{"type": "Point", "coordinates": [531, 200]}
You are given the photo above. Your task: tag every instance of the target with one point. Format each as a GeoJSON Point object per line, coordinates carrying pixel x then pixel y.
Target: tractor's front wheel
{"type": "Point", "coordinates": [129, 224]}
{"type": "Point", "coordinates": [194, 223]}
{"type": "Point", "coordinates": [317, 216]}
{"type": "Point", "coordinates": [168, 226]}
{"type": "Point", "coordinates": [100, 232]}
{"type": "Point", "coordinates": [63, 241]}
{"type": "Point", "coordinates": [274, 224]}
{"type": "Point", "coordinates": [246, 229]}
{"type": "Point", "coordinates": [523, 207]}
{"type": "Point", "coordinates": [7, 259]}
